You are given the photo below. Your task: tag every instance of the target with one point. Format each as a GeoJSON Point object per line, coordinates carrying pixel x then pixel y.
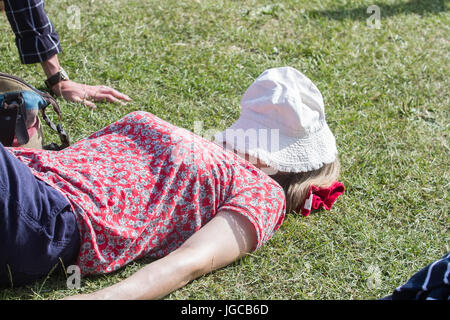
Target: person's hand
{"type": "Point", "coordinates": [77, 92]}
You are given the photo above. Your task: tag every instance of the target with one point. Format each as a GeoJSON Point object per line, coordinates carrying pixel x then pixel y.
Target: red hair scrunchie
{"type": "Point", "coordinates": [321, 197]}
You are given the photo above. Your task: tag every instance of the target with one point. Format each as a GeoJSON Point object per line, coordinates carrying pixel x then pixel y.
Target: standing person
{"type": "Point", "coordinates": [38, 42]}
{"type": "Point", "coordinates": [141, 187]}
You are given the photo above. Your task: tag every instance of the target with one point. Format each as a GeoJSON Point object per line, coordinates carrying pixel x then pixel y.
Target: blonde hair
{"type": "Point", "coordinates": [296, 185]}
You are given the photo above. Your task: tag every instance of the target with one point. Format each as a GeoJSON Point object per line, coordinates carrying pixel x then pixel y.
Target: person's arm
{"type": "Point", "coordinates": [223, 240]}
{"type": "Point", "coordinates": [36, 38]}
{"type": "Point", "coordinates": [38, 42]}
{"type": "Point", "coordinates": [77, 92]}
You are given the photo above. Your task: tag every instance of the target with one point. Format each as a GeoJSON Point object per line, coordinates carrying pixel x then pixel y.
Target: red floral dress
{"type": "Point", "coordinates": [141, 187]}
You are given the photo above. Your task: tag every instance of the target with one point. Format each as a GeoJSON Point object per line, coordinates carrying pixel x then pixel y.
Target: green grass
{"type": "Point", "coordinates": [387, 101]}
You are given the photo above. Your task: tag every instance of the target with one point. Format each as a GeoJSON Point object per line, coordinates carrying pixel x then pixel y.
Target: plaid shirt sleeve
{"type": "Point", "coordinates": [36, 39]}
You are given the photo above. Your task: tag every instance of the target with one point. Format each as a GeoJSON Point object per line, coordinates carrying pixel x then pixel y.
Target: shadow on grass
{"type": "Point", "coordinates": [34, 290]}
{"type": "Point", "coordinates": [57, 281]}
{"type": "Point", "coordinates": [419, 7]}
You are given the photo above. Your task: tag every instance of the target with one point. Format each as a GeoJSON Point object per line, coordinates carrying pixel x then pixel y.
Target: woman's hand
{"type": "Point", "coordinates": [77, 92]}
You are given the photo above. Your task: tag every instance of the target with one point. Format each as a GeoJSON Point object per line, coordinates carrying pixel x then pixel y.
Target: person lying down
{"type": "Point", "coordinates": [142, 187]}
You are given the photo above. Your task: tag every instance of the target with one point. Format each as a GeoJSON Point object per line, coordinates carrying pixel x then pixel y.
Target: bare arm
{"type": "Point", "coordinates": [78, 92]}
{"type": "Point", "coordinates": [226, 238]}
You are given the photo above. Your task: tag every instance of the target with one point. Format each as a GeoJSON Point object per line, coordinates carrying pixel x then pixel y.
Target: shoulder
{"type": "Point", "coordinates": [251, 176]}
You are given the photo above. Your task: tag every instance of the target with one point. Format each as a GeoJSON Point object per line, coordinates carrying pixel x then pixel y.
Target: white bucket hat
{"type": "Point", "coordinates": [282, 123]}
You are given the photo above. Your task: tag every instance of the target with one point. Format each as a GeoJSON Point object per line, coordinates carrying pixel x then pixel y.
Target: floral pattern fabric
{"type": "Point", "coordinates": [141, 187]}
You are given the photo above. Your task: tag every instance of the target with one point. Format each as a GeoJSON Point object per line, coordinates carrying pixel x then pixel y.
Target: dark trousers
{"type": "Point", "coordinates": [38, 229]}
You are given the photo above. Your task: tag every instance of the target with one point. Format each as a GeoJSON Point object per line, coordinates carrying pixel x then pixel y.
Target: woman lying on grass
{"type": "Point", "coordinates": [142, 187]}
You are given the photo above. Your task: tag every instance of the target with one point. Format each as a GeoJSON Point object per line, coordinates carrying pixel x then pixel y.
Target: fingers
{"type": "Point", "coordinates": [103, 93]}
{"type": "Point", "coordinates": [90, 104]}
{"type": "Point", "coordinates": [87, 103]}
{"type": "Point", "coordinates": [109, 95]}
{"type": "Point", "coordinates": [86, 94]}
{"type": "Point", "coordinates": [116, 94]}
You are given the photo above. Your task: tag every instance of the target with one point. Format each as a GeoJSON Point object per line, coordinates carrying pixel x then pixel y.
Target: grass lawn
{"type": "Point", "coordinates": [386, 94]}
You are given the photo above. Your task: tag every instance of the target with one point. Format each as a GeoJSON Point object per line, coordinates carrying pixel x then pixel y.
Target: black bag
{"type": "Point", "coordinates": [20, 125]}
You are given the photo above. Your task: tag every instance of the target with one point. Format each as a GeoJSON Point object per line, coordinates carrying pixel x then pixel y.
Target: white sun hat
{"type": "Point", "coordinates": [282, 123]}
